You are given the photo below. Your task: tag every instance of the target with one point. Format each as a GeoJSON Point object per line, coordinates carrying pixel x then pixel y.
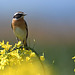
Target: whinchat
{"type": "Point", "coordinates": [19, 27]}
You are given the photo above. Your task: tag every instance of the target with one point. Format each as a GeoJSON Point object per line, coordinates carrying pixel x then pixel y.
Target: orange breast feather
{"type": "Point", "coordinates": [19, 23]}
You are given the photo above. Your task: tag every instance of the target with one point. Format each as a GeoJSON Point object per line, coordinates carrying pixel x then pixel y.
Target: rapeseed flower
{"type": "Point", "coordinates": [27, 58]}
{"type": "Point", "coordinates": [6, 46]}
{"type": "Point", "coordinates": [74, 61]}
{"type": "Point", "coordinates": [2, 51]}
{"type": "Point", "coordinates": [32, 54]}
{"type": "Point", "coordinates": [42, 57]}
{"type": "Point", "coordinates": [16, 60]}
{"type": "Point", "coordinates": [15, 55]}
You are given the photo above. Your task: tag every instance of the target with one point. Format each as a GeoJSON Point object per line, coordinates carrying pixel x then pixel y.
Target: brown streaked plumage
{"type": "Point", "coordinates": [19, 27]}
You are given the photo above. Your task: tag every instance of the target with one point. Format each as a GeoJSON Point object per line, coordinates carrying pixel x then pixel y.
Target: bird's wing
{"type": "Point", "coordinates": [26, 30]}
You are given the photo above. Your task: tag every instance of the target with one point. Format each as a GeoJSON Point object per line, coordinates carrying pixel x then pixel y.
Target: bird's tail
{"type": "Point", "coordinates": [25, 44]}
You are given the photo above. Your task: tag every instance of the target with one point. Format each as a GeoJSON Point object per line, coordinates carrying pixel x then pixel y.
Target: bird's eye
{"type": "Point", "coordinates": [17, 16]}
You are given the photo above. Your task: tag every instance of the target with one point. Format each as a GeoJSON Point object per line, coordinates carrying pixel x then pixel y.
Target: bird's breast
{"type": "Point", "coordinates": [19, 23]}
{"type": "Point", "coordinates": [21, 34]}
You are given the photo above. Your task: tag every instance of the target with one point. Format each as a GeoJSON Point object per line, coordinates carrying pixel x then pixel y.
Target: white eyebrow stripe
{"type": "Point", "coordinates": [15, 13]}
{"type": "Point", "coordinates": [18, 13]}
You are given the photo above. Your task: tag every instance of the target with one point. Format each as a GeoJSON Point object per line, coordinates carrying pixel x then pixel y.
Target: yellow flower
{"type": "Point", "coordinates": [32, 54]}
{"type": "Point", "coordinates": [74, 70]}
{"type": "Point", "coordinates": [74, 60]}
{"type": "Point", "coordinates": [3, 62]}
{"type": "Point", "coordinates": [27, 58]}
{"type": "Point", "coordinates": [2, 67]}
{"type": "Point", "coordinates": [27, 52]}
{"type": "Point", "coordinates": [2, 51]}
{"type": "Point", "coordinates": [15, 55]}
{"type": "Point", "coordinates": [6, 46]}
{"type": "Point", "coordinates": [19, 44]}
{"type": "Point", "coordinates": [42, 58]}
{"type": "Point", "coordinates": [23, 49]}
{"type": "Point", "coordinates": [73, 57]}
{"type": "Point", "coordinates": [2, 43]}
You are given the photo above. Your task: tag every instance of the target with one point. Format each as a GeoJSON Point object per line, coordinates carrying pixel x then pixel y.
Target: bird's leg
{"type": "Point", "coordinates": [25, 44]}
{"type": "Point", "coordinates": [17, 39]}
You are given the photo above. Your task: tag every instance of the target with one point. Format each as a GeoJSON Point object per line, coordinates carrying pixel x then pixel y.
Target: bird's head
{"type": "Point", "coordinates": [19, 15]}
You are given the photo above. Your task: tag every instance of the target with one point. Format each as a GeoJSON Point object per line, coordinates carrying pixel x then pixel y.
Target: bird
{"type": "Point", "coordinates": [19, 27]}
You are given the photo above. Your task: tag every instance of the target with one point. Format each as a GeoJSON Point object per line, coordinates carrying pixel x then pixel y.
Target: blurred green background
{"type": "Point", "coordinates": [51, 23]}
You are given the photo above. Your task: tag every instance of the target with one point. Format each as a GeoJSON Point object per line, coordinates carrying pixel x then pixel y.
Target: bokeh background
{"type": "Point", "coordinates": [51, 23]}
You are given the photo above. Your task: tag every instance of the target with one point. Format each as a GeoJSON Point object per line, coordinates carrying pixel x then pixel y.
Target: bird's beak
{"type": "Point", "coordinates": [24, 14]}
